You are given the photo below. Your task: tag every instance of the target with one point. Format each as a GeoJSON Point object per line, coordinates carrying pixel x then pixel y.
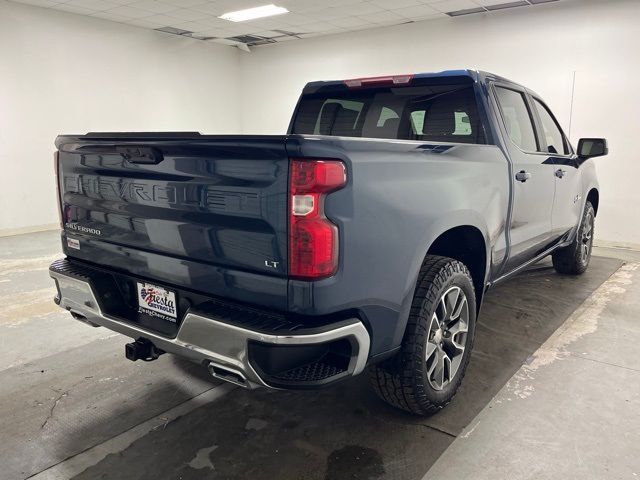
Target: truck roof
{"type": "Point", "coordinates": [475, 75]}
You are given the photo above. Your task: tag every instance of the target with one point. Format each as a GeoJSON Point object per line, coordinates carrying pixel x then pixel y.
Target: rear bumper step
{"type": "Point", "coordinates": [290, 359]}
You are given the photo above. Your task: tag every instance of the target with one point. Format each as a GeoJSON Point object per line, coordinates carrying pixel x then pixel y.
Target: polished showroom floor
{"type": "Point", "coordinates": [552, 391]}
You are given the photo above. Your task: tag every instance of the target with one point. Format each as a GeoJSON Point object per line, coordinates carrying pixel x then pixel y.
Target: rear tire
{"type": "Point", "coordinates": [425, 375]}
{"type": "Point", "coordinates": [574, 259]}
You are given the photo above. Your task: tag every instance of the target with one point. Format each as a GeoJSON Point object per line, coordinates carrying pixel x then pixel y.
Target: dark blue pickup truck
{"type": "Point", "coordinates": [365, 238]}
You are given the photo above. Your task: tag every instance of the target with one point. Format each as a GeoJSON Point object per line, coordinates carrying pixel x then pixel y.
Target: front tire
{"type": "Point", "coordinates": [574, 259]}
{"type": "Point", "coordinates": [425, 375]}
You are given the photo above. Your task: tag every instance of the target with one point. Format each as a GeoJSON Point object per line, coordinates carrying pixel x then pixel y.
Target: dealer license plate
{"type": "Point", "coordinates": [157, 302]}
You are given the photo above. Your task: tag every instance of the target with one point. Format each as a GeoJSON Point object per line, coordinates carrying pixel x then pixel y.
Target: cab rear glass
{"type": "Point", "coordinates": [430, 113]}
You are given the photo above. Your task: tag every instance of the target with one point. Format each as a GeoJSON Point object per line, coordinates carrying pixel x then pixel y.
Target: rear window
{"type": "Point", "coordinates": [437, 113]}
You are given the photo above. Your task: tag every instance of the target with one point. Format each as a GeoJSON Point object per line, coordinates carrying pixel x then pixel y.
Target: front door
{"type": "Point", "coordinates": [533, 181]}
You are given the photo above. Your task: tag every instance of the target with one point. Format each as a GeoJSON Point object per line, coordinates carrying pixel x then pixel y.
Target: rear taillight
{"type": "Point", "coordinates": [56, 167]}
{"type": "Point", "coordinates": [313, 239]}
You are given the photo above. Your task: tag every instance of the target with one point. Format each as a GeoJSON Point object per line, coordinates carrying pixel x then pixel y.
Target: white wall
{"type": "Point", "coordinates": [538, 46]}
{"type": "Point", "coordinates": [65, 73]}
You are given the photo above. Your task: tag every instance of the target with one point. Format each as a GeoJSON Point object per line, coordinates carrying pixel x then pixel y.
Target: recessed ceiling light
{"type": "Point", "coordinates": [253, 13]}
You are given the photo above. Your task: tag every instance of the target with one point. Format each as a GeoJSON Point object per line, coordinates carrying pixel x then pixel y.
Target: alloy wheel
{"type": "Point", "coordinates": [586, 238]}
{"type": "Point", "coordinates": [447, 338]}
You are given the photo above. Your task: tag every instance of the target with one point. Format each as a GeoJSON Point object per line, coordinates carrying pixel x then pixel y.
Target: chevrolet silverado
{"type": "Point", "coordinates": [363, 239]}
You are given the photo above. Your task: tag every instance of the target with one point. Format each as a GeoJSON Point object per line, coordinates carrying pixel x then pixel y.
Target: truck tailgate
{"type": "Point", "coordinates": [207, 213]}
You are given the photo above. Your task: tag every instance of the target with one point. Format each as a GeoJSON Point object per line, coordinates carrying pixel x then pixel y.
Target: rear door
{"type": "Point", "coordinates": [533, 183]}
{"type": "Point", "coordinates": [207, 213]}
{"type": "Point", "coordinates": [554, 144]}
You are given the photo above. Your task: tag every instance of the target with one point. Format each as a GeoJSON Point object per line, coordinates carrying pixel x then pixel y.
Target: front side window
{"type": "Point", "coordinates": [431, 113]}
{"type": "Point", "coordinates": [552, 133]}
{"type": "Point", "coordinates": [517, 119]}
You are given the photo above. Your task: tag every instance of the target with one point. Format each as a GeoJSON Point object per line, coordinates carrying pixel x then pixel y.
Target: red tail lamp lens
{"type": "Point", "coordinates": [313, 239]}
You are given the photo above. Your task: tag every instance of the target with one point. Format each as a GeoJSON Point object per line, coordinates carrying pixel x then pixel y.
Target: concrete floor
{"type": "Point", "coordinates": [538, 401]}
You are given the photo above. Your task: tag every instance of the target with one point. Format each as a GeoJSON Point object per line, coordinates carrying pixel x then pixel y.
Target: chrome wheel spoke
{"type": "Point", "coordinates": [431, 350]}
{"type": "Point", "coordinates": [432, 362]}
{"type": "Point", "coordinates": [441, 311]}
{"type": "Point", "coordinates": [451, 300]}
{"type": "Point", "coordinates": [447, 338]}
{"type": "Point", "coordinates": [461, 304]}
{"type": "Point", "coordinates": [458, 335]}
{"type": "Point", "coordinates": [446, 370]}
{"type": "Point", "coordinates": [438, 374]}
{"type": "Point", "coordinates": [587, 238]}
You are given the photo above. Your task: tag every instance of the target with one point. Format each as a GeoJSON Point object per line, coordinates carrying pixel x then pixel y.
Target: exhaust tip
{"type": "Point", "coordinates": [228, 375]}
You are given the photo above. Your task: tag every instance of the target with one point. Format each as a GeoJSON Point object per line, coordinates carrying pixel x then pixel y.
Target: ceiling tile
{"type": "Point", "coordinates": [213, 22]}
{"type": "Point", "coordinates": [349, 22]}
{"type": "Point", "coordinates": [417, 13]}
{"type": "Point", "coordinates": [343, 3]}
{"type": "Point", "coordinates": [484, 3]}
{"type": "Point", "coordinates": [94, 5]}
{"type": "Point", "coordinates": [271, 23]}
{"type": "Point", "coordinates": [193, 26]}
{"type": "Point", "coordinates": [317, 27]}
{"type": "Point", "coordinates": [185, 3]}
{"type": "Point", "coordinates": [234, 5]}
{"type": "Point", "coordinates": [384, 17]}
{"type": "Point", "coordinates": [153, 6]}
{"type": "Point", "coordinates": [300, 6]}
{"type": "Point", "coordinates": [211, 8]}
{"type": "Point", "coordinates": [327, 14]}
{"type": "Point", "coordinates": [163, 20]}
{"type": "Point", "coordinates": [395, 4]}
{"type": "Point", "coordinates": [111, 16]}
{"type": "Point", "coordinates": [297, 19]}
{"type": "Point", "coordinates": [130, 12]}
{"type": "Point", "coordinates": [74, 9]}
{"type": "Point", "coordinates": [360, 9]}
{"type": "Point", "coordinates": [122, 2]}
{"type": "Point", "coordinates": [39, 3]}
{"type": "Point", "coordinates": [242, 28]}
{"type": "Point", "coordinates": [187, 14]}
{"type": "Point", "coordinates": [143, 23]}
{"type": "Point", "coordinates": [453, 5]}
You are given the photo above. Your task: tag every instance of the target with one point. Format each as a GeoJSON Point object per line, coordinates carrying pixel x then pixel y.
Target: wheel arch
{"type": "Point", "coordinates": [455, 228]}
{"type": "Point", "coordinates": [467, 244]}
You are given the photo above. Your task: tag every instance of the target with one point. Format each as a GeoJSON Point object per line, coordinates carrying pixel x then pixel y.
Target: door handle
{"type": "Point", "coordinates": [523, 176]}
{"type": "Point", "coordinates": [560, 173]}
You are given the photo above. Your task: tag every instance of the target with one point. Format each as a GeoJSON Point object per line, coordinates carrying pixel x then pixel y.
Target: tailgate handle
{"type": "Point", "coordinates": [133, 154]}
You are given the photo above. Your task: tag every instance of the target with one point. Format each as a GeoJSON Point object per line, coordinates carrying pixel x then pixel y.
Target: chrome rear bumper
{"type": "Point", "coordinates": [201, 338]}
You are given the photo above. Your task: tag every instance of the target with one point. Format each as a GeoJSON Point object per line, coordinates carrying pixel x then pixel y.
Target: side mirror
{"type": "Point", "coordinates": [592, 147]}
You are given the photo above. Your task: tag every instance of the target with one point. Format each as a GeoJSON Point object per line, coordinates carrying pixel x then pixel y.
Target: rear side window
{"type": "Point", "coordinates": [436, 113]}
{"type": "Point", "coordinates": [517, 119]}
{"type": "Point", "coordinates": [552, 133]}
